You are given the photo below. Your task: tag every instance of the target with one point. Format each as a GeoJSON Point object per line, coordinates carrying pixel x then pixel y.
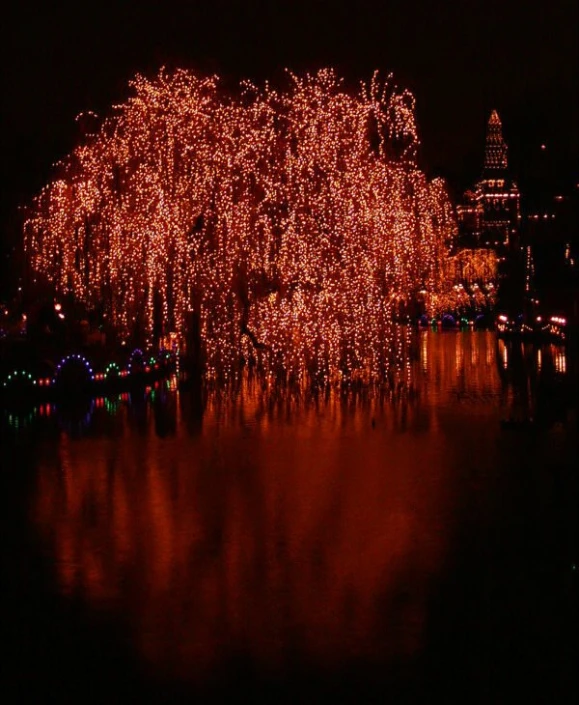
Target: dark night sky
{"type": "Point", "coordinates": [460, 59]}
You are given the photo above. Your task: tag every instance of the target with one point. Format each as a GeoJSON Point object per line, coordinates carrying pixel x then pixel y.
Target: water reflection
{"type": "Point", "coordinates": [272, 533]}
{"type": "Point", "coordinates": [535, 387]}
{"type": "Point", "coordinates": [288, 528]}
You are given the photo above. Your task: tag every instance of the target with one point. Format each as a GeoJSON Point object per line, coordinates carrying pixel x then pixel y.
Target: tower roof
{"type": "Point", "coordinates": [495, 148]}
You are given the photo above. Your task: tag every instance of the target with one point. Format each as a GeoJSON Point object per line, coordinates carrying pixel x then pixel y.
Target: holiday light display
{"type": "Point", "coordinates": [66, 362]}
{"type": "Point", "coordinates": [111, 370]}
{"type": "Point", "coordinates": [23, 385]}
{"type": "Point", "coordinates": [474, 272]}
{"type": "Point", "coordinates": [18, 378]}
{"type": "Point", "coordinates": [294, 223]}
{"type": "Point", "coordinates": [490, 213]}
{"type": "Point", "coordinates": [495, 148]}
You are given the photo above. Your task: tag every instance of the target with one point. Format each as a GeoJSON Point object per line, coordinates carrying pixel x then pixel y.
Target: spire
{"type": "Point", "coordinates": [495, 149]}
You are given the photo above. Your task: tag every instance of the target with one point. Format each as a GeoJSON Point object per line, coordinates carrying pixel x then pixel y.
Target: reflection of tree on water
{"type": "Point", "coordinates": [164, 411]}
{"type": "Point", "coordinates": [74, 417]}
{"type": "Point", "coordinates": [282, 528]}
{"type": "Point", "coordinates": [287, 525]}
{"type": "Point", "coordinates": [555, 387]}
{"type": "Point", "coordinates": [533, 385]}
{"type": "Point", "coordinates": [537, 388]}
{"type": "Point", "coordinates": [192, 403]}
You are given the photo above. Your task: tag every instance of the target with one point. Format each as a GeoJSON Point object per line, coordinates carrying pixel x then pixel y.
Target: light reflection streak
{"type": "Point", "coordinates": [504, 353]}
{"type": "Point", "coordinates": [560, 360]}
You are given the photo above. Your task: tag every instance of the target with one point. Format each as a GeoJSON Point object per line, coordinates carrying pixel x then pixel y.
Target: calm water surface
{"type": "Point", "coordinates": [409, 547]}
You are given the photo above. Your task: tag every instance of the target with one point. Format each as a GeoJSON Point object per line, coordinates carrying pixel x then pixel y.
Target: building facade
{"type": "Point", "coordinates": [490, 214]}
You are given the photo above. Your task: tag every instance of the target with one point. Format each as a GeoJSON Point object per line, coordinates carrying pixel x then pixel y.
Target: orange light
{"type": "Point", "coordinates": [297, 222]}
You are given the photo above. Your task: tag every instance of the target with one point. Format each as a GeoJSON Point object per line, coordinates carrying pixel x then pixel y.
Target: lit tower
{"type": "Point", "coordinates": [490, 212]}
{"type": "Point", "coordinates": [497, 196]}
{"type": "Point", "coordinates": [496, 148]}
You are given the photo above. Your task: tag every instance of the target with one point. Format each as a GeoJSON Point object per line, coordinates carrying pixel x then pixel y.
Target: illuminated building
{"type": "Point", "coordinates": [490, 213]}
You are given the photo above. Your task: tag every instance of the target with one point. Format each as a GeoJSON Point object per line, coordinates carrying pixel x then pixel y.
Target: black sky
{"type": "Point", "coordinates": [460, 59]}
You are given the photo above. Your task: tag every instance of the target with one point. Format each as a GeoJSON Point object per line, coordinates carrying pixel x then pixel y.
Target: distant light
{"type": "Point", "coordinates": [57, 307]}
{"type": "Point", "coordinates": [543, 146]}
{"type": "Point", "coordinates": [559, 198]}
{"type": "Point", "coordinates": [61, 315]}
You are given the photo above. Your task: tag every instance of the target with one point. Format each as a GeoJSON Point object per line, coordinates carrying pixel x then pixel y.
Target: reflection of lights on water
{"type": "Point", "coordinates": [504, 354]}
{"type": "Point", "coordinates": [539, 359]}
{"type": "Point", "coordinates": [459, 358]}
{"type": "Point", "coordinates": [560, 361]}
{"type": "Point", "coordinates": [139, 525]}
{"type": "Point", "coordinates": [424, 352]}
{"type": "Point", "coordinates": [172, 383]}
{"type": "Point", "coordinates": [474, 355]}
{"type": "Point", "coordinates": [112, 405]}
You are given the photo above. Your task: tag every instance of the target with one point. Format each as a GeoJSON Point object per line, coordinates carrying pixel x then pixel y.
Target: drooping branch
{"type": "Point", "coordinates": [293, 219]}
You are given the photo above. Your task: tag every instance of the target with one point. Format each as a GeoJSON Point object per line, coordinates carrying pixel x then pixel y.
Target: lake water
{"type": "Point", "coordinates": [416, 546]}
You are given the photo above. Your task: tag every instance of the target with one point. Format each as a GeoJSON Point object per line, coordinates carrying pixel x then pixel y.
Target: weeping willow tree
{"type": "Point", "coordinates": [294, 221]}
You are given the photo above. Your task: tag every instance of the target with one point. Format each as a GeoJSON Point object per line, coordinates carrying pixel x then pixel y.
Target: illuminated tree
{"type": "Point", "coordinates": [295, 222]}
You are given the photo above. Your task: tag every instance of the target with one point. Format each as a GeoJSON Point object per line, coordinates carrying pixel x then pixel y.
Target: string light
{"type": "Point", "coordinates": [18, 376]}
{"type": "Point", "coordinates": [295, 223]}
{"type": "Point", "coordinates": [165, 364]}
{"type": "Point", "coordinates": [72, 359]}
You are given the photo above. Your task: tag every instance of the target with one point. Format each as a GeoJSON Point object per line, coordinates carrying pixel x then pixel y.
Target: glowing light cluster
{"type": "Point", "coordinates": [19, 380]}
{"type": "Point", "coordinates": [474, 272]}
{"type": "Point", "coordinates": [74, 357]}
{"type": "Point", "coordinates": [18, 376]}
{"type": "Point", "coordinates": [112, 370]}
{"type": "Point", "coordinates": [496, 148]}
{"type": "Point", "coordinates": [294, 223]}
